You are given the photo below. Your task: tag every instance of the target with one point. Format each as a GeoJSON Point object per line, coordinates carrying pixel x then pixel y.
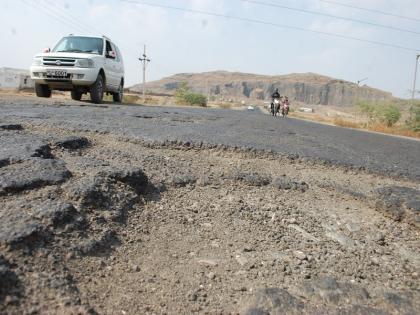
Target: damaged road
{"type": "Point", "coordinates": [388, 155]}
{"type": "Point", "coordinates": [107, 222]}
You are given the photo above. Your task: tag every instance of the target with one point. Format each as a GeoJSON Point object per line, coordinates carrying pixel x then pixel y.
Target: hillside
{"type": "Point", "coordinates": [309, 88]}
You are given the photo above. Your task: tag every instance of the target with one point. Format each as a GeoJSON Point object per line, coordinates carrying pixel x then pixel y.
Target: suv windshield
{"type": "Point", "coordinates": [76, 44]}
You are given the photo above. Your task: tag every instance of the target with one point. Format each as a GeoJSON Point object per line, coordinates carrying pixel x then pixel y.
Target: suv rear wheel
{"type": "Point", "coordinates": [76, 95]}
{"type": "Point", "coordinates": [97, 90]}
{"type": "Point", "coordinates": [42, 90]}
{"type": "Point", "coordinates": [118, 96]}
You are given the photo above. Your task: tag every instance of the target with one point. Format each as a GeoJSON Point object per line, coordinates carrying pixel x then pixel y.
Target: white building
{"type": "Point", "coordinates": [15, 79]}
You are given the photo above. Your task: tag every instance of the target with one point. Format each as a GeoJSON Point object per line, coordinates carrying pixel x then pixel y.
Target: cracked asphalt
{"type": "Point", "coordinates": [390, 155]}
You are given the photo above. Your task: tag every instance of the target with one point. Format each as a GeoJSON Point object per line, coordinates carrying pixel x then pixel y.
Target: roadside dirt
{"type": "Point", "coordinates": [166, 228]}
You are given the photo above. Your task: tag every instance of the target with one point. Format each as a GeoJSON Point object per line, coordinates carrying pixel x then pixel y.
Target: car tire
{"type": "Point", "coordinates": [97, 90]}
{"type": "Point", "coordinates": [76, 95]}
{"type": "Point", "coordinates": [118, 96]}
{"type": "Point", "coordinates": [42, 90]}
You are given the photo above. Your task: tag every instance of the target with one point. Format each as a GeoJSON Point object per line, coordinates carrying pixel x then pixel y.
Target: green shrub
{"type": "Point", "coordinates": [389, 114]}
{"type": "Point", "coordinates": [414, 122]}
{"type": "Point", "coordinates": [195, 99]}
{"type": "Point", "coordinates": [367, 109]}
{"type": "Point", "coordinates": [183, 95]}
{"type": "Point", "coordinates": [384, 112]}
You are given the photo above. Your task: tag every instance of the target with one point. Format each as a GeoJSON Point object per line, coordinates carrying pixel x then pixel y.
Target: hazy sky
{"type": "Point", "coordinates": [179, 41]}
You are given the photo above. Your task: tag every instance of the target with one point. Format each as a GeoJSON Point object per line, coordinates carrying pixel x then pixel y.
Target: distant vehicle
{"type": "Point", "coordinates": [306, 110]}
{"type": "Point", "coordinates": [82, 65]}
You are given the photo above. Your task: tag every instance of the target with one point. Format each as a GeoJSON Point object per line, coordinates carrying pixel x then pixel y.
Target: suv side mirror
{"type": "Point", "coordinates": [46, 50]}
{"type": "Point", "coordinates": [112, 54]}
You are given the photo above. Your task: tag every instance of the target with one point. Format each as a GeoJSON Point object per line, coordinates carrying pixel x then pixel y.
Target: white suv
{"type": "Point", "coordinates": [80, 64]}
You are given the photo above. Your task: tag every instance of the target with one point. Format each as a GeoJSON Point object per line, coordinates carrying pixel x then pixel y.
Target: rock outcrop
{"type": "Point", "coordinates": [307, 88]}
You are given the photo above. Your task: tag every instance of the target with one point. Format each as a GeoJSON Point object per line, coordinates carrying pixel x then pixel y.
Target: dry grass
{"type": "Point", "coordinates": [224, 105]}
{"type": "Point", "coordinates": [396, 130]}
{"type": "Point", "coordinates": [399, 130]}
{"type": "Point", "coordinates": [130, 99]}
{"type": "Point", "coordinates": [346, 123]}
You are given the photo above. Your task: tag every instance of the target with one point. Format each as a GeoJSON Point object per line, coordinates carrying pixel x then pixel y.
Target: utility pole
{"type": "Point", "coordinates": [207, 91]}
{"type": "Point", "coordinates": [415, 79]}
{"type": "Point", "coordinates": [414, 87]}
{"type": "Point", "coordinates": [144, 61]}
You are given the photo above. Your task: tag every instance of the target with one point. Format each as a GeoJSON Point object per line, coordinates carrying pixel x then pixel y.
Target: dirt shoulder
{"type": "Point", "coordinates": [121, 226]}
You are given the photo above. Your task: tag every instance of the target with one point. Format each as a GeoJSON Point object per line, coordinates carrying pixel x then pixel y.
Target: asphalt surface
{"type": "Point", "coordinates": [380, 153]}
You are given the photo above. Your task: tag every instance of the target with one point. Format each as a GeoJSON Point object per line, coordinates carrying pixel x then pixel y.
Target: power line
{"type": "Point", "coordinates": [71, 26]}
{"type": "Point", "coordinates": [275, 5]}
{"type": "Point", "coordinates": [76, 20]}
{"type": "Point", "coordinates": [55, 11]}
{"type": "Point", "coordinates": [65, 22]}
{"type": "Point", "coordinates": [60, 15]}
{"type": "Point", "coordinates": [72, 17]}
{"type": "Point", "coordinates": [370, 10]}
{"type": "Point", "coordinates": [262, 22]}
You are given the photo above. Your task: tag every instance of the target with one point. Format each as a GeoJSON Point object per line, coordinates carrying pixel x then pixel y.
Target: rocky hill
{"type": "Point", "coordinates": [309, 88]}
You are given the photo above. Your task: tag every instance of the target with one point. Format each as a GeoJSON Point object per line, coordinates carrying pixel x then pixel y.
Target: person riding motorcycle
{"type": "Point", "coordinates": [275, 99]}
{"type": "Point", "coordinates": [285, 107]}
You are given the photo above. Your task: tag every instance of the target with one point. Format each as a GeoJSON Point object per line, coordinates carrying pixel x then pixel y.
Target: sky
{"type": "Point", "coordinates": [179, 41]}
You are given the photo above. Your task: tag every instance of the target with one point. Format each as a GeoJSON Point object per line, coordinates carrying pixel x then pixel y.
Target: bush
{"type": "Point", "coordinates": [195, 99]}
{"type": "Point", "coordinates": [183, 95]}
{"type": "Point", "coordinates": [389, 114]}
{"type": "Point", "coordinates": [367, 109]}
{"type": "Point", "coordinates": [414, 122]}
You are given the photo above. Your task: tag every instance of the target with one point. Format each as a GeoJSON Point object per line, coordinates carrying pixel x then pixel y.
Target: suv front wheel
{"type": "Point", "coordinates": [97, 90]}
{"type": "Point", "coordinates": [42, 90]}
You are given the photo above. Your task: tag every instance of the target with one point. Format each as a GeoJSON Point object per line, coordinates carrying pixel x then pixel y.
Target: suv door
{"type": "Point", "coordinates": [119, 66]}
{"type": "Point", "coordinates": [110, 68]}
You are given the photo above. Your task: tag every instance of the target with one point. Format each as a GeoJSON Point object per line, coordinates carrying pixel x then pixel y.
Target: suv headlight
{"type": "Point", "coordinates": [37, 61]}
{"type": "Point", "coordinates": [84, 63]}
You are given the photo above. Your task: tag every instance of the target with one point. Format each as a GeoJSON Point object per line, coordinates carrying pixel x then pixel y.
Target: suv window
{"type": "Point", "coordinates": [108, 48]}
{"type": "Point", "coordinates": [119, 54]}
{"type": "Point", "coordinates": [117, 58]}
{"type": "Point", "coordinates": [80, 44]}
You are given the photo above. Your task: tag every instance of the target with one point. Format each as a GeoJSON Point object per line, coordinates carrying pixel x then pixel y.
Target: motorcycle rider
{"type": "Point", "coordinates": [274, 96]}
{"type": "Point", "coordinates": [286, 102]}
{"type": "Point", "coordinates": [286, 106]}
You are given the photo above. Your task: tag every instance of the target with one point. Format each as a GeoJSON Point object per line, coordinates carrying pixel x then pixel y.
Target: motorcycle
{"type": "Point", "coordinates": [285, 110]}
{"type": "Point", "coordinates": [275, 106]}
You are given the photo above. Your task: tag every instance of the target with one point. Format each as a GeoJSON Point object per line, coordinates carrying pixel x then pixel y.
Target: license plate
{"type": "Point", "coordinates": [57, 73]}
